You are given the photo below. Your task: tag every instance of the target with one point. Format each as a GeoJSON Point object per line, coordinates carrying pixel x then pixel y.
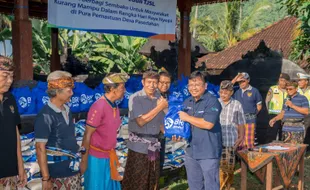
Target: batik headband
{"type": "Point", "coordinates": [61, 83]}
{"type": "Point", "coordinates": [6, 64]}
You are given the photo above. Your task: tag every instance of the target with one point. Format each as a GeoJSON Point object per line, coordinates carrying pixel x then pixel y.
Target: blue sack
{"type": "Point", "coordinates": [213, 89]}
{"type": "Point", "coordinates": [173, 124]}
{"type": "Point", "coordinates": [24, 100]}
{"type": "Point", "coordinates": [86, 97]}
{"type": "Point", "coordinates": [74, 103]}
{"type": "Point", "coordinates": [183, 87]}
{"type": "Point", "coordinates": [130, 86]}
{"type": "Point", "coordinates": [40, 95]}
{"type": "Point", "coordinates": [98, 92]}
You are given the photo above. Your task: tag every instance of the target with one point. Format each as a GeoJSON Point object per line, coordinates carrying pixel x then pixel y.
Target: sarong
{"type": "Point", "coordinates": [98, 175]}
{"type": "Point", "coordinates": [227, 166]}
{"type": "Point", "coordinates": [8, 183]}
{"type": "Point", "coordinates": [296, 137]}
{"type": "Point", "coordinates": [293, 133]}
{"type": "Point", "coordinates": [249, 136]}
{"type": "Point", "coordinates": [67, 183]}
{"type": "Point", "coordinates": [140, 172]}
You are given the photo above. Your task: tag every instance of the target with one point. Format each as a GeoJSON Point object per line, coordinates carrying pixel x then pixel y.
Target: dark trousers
{"type": "Point", "coordinates": [162, 152]}
{"type": "Point", "coordinates": [307, 131]}
{"type": "Point", "coordinates": [272, 132]}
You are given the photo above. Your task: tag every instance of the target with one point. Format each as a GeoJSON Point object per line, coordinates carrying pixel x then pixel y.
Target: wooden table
{"type": "Point", "coordinates": [263, 168]}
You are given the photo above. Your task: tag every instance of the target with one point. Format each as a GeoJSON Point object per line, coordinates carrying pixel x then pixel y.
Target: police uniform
{"type": "Point", "coordinates": [274, 101]}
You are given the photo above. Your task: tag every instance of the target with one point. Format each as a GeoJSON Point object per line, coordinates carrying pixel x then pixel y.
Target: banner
{"type": "Point", "coordinates": [144, 18]}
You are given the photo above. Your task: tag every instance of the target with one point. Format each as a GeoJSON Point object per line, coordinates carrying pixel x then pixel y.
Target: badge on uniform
{"type": "Point", "coordinates": [12, 109]}
{"type": "Point", "coordinates": [249, 94]}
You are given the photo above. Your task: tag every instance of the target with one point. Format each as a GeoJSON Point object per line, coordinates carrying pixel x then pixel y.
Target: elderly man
{"type": "Point", "coordinates": [11, 161]}
{"type": "Point", "coordinates": [203, 154]}
{"type": "Point", "coordinates": [232, 122]}
{"type": "Point", "coordinates": [251, 101]}
{"type": "Point", "coordinates": [146, 118]}
{"type": "Point", "coordinates": [54, 131]}
{"type": "Point", "coordinates": [100, 137]}
{"type": "Point", "coordinates": [274, 102]}
{"type": "Point", "coordinates": [294, 110]}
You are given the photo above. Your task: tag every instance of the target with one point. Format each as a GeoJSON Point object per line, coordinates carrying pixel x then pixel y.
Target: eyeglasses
{"type": "Point", "coordinates": [242, 81]}
{"type": "Point", "coordinates": [190, 86]}
{"type": "Point", "coordinates": [165, 83]}
{"type": "Point", "coordinates": [290, 89]}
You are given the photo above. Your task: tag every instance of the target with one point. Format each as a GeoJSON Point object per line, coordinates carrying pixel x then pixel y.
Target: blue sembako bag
{"type": "Point", "coordinates": [25, 100]}
{"type": "Point", "coordinates": [173, 124]}
{"type": "Point", "coordinates": [86, 97]}
{"type": "Point", "coordinates": [98, 92]}
{"type": "Point", "coordinates": [41, 97]}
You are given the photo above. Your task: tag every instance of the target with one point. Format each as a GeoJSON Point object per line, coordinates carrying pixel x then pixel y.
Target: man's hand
{"type": "Point", "coordinates": [183, 116]}
{"type": "Point", "coordinates": [47, 185]}
{"type": "Point", "coordinates": [22, 177]}
{"type": "Point", "coordinates": [175, 139]}
{"type": "Point", "coordinates": [162, 103]}
{"type": "Point", "coordinates": [272, 122]}
{"type": "Point", "coordinates": [238, 142]}
{"type": "Point", "coordinates": [289, 103]}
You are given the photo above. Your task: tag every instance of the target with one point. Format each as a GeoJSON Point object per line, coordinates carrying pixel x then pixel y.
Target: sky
{"type": "Point", "coordinates": [8, 48]}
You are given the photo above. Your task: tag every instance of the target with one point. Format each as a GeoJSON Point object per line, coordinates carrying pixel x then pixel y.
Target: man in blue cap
{"type": "Point", "coordinates": [251, 101]}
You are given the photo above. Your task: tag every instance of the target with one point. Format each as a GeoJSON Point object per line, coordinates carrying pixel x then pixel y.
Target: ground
{"type": "Point", "coordinates": [175, 182]}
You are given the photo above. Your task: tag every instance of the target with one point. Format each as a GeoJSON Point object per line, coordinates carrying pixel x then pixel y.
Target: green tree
{"type": "Point", "coordinates": [222, 25]}
{"type": "Point", "coordinates": [121, 52]}
{"type": "Point", "coordinates": [5, 30]}
{"type": "Point", "coordinates": [301, 43]}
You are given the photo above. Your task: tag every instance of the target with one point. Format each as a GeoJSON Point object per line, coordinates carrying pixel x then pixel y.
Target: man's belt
{"type": "Point", "coordinates": [141, 135]}
{"type": "Point", "coordinates": [249, 116]}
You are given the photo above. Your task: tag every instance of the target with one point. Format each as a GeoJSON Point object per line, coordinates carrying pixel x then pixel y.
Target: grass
{"type": "Point", "coordinates": [179, 182]}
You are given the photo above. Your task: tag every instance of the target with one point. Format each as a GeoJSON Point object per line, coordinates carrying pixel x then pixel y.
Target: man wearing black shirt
{"type": "Point", "coordinates": [12, 173]}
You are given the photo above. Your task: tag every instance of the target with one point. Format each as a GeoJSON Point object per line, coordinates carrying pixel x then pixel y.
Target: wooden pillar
{"type": "Point", "coordinates": [55, 58]}
{"type": "Point", "coordinates": [184, 52]}
{"type": "Point", "coordinates": [22, 41]}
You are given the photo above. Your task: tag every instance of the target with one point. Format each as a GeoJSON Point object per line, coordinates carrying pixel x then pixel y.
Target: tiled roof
{"type": "Point", "coordinates": [278, 36]}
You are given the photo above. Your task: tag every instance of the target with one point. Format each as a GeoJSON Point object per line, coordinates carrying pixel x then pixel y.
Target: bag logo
{"type": "Point", "coordinates": [23, 102]}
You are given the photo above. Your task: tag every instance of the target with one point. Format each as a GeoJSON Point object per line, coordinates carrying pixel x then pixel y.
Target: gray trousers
{"type": "Point", "coordinates": [202, 174]}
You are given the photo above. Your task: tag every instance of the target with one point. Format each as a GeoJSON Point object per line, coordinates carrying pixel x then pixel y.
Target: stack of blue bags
{"type": "Point", "coordinates": [31, 101]}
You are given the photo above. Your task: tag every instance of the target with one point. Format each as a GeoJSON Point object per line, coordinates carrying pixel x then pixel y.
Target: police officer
{"type": "Point", "coordinates": [304, 89]}
{"type": "Point", "coordinates": [274, 102]}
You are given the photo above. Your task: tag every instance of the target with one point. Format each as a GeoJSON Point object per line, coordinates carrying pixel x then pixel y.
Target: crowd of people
{"type": "Point", "coordinates": [219, 127]}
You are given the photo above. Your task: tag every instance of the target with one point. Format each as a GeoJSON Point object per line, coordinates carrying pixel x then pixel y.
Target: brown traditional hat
{"type": "Point", "coordinates": [6, 64]}
{"type": "Point", "coordinates": [115, 78]}
{"type": "Point", "coordinates": [226, 84]}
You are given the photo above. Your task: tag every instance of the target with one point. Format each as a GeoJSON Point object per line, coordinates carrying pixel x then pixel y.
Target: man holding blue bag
{"type": "Point", "coordinates": [202, 159]}
{"type": "Point", "coordinates": [146, 117]}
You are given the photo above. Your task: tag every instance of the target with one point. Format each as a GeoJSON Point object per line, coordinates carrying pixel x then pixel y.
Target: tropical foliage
{"type": "Point", "coordinates": [222, 25]}
{"type": "Point", "coordinates": [120, 53]}
{"type": "Point", "coordinates": [5, 31]}
{"type": "Point", "coordinates": [301, 44]}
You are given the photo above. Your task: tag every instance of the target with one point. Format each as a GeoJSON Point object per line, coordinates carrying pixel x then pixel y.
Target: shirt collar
{"type": "Point", "coordinates": [143, 93]}
{"type": "Point", "coordinates": [248, 88]}
{"type": "Point", "coordinates": [201, 98]}
{"type": "Point", "coordinates": [221, 101]}
{"type": "Point", "coordinates": [55, 108]}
